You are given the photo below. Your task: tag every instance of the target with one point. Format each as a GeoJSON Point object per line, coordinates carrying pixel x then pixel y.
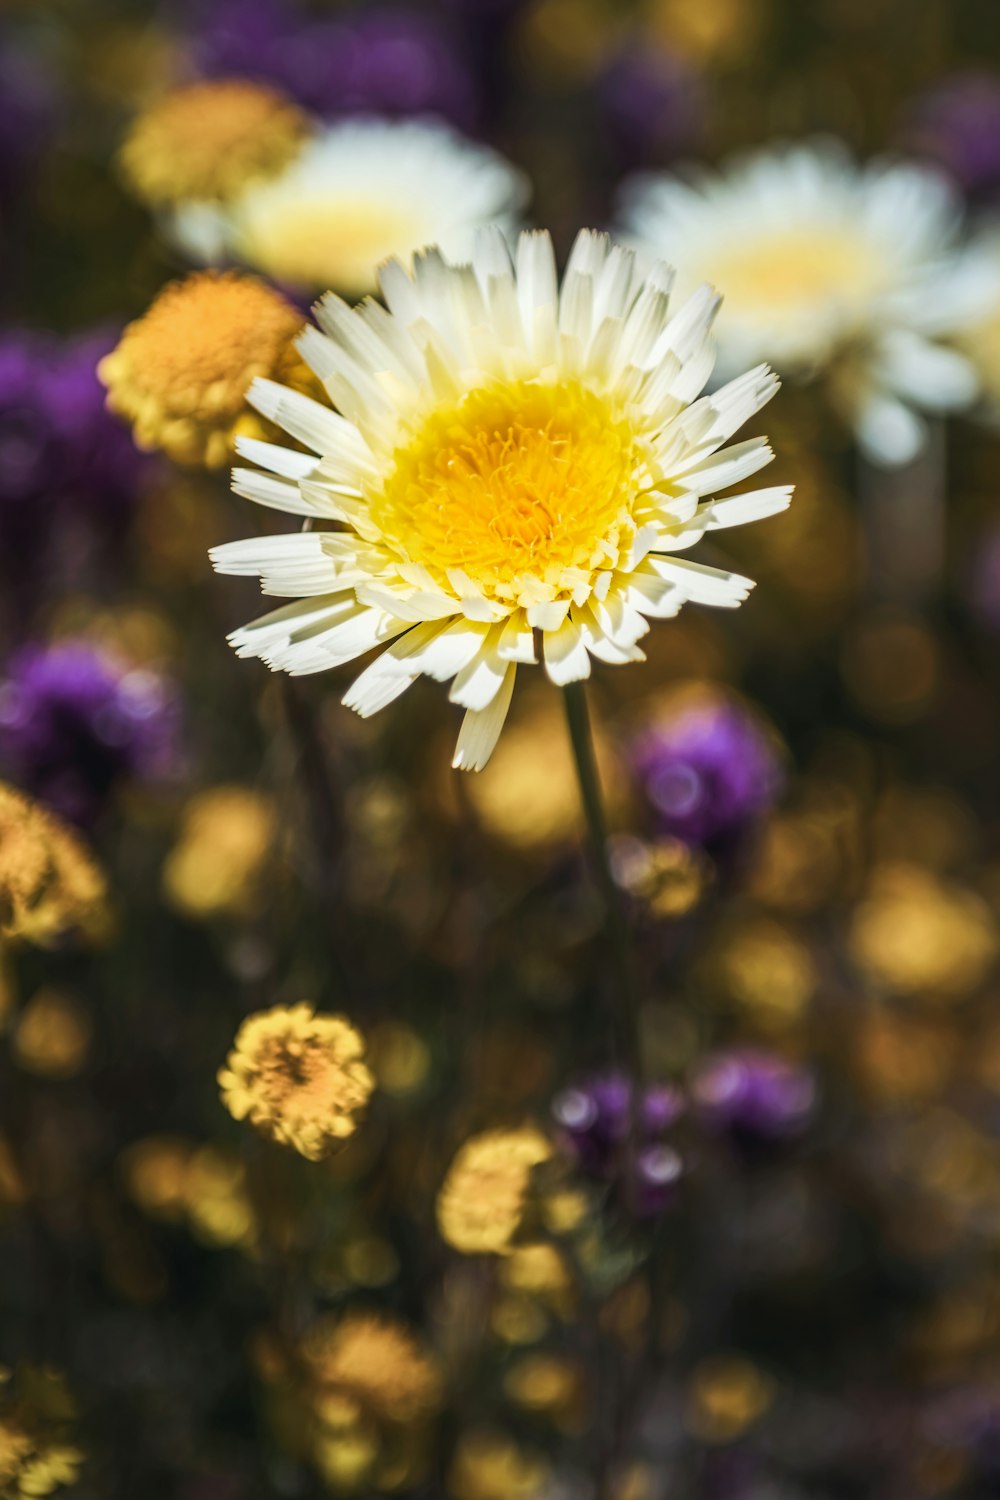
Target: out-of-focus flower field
{"type": "Point", "coordinates": [611, 1126]}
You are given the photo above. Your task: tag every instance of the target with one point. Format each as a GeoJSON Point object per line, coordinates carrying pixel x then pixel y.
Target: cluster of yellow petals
{"type": "Point", "coordinates": [209, 140]}
{"type": "Point", "coordinates": [517, 483]}
{"type": "Point", "coordinates": [49, 884]}
{"type": "Point", "coordinates": [180, 373]}
{"type": "Point", "coordinates": [299, 1078]}
{"type": "Point", "coordinates": [482, 1202]}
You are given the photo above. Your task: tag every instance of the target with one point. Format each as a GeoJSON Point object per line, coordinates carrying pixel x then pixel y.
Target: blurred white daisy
{"type": "Point", "coordinates": [974, 314]}
{"type": "Point", "coordinates": [506, 458]}
{"type": "Point", "coordinates": [825, 267]}
{"type": "Point", "coordinates": [356, 194]}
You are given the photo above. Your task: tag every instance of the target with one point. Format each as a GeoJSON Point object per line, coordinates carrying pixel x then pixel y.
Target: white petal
{"type": "Point", "coordinates": [481, 728]}
{"type": "Point", "coordinates": [755, 505]}
{"type": "Point", "coordinates": [565, 651]}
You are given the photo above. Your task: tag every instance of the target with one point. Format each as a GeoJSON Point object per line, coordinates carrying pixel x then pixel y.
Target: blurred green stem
{"type": "Point", "coordinates": [626, 1013]}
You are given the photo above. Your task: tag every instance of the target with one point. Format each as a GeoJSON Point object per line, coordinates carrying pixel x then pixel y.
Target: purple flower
{"type": "Point", "coordinates": [708, 771]}
{"type": "Point", "coordinates": [75, 723]}
{"type": "Point", "coordinates": [957, 125]}
{"type": "Point", "coordinates": [595, 1119]}
{"type": "Point", "coordinates": [383, 61]}
{"type": "Point", "coordinates": [28, 110]}
{"type": "Point", "coordinates": [652, 104]}
{"type": "Point", "coordinates": [754, 1096]}
{"type": "Point", "coordinates": [60, 449]}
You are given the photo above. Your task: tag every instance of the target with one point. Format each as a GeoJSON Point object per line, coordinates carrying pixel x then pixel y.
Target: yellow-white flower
{"type": "Point", "coordinates": [825, 267]}
{"type": "Point", "coordinates": [507, 459]}
{"type": "Point", "coordinates": [359, 192]}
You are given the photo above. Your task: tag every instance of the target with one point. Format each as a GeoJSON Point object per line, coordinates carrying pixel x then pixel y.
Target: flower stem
{"type": "Point", "coordinates": [626, 1014]}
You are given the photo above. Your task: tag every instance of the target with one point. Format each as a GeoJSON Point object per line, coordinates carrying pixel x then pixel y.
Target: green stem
{"type": "Point", "coordinates": [626, 1013]}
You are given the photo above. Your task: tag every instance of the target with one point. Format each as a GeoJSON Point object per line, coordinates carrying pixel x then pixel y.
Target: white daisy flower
{"type": "Point", "coordinates": [356, 194]}
{"type": "Point", "coordinates": [507, 460]}
{"type": "Point", "coordinates": [974, 314]}
{"type": "Point", "coordinates": [824, 267]}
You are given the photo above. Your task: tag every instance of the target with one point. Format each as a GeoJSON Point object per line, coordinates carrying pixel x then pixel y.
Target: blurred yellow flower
{"type": "Point", "coordinates": [298, 1077]}
{"type": "Point", "coordinates": [726, 1397]}
{"type": "Point", "coordinates": [377, 1362]}
{"type": "Point", "coordinates": [36, 1457]}
{"type": "Point", "coordinates": [482, 1201]}
{"type": "Point", "coordinates": [171, 1179]}
{"type": "Point", "coordinates": [766, 971]}
{"type": "Point", "coordinates": [490, 1466]}
{"type": "Point", "coordinates": [208, 140]}
{"type": "Point", "coordinates": [916, 934]}
{"type": "Point", "coordinates": [180, 373]}
{"type": "Point", "coordinates": [49, 884]}
{"type": "Point", "coordinates": [215, 867]}
{"type": "Point", "coordinates": [52, 1035]}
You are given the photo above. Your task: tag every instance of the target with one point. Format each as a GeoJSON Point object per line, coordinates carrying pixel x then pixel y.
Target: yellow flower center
{"type": "Point", "coordinates": [517, 482]}
{"type": "Point", "coordinates": [210, 140]}
{"type": "Point", "coordinates": [787, 274]}
{"type": "Point", "coordinates": [322, 242]}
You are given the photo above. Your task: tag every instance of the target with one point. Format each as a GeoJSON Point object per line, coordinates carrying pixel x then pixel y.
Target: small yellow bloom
{"type": "Point", "coordinates": [209, 140]}
{"type": "Point", "coordinates": [482, 1202]}
{"type": "Point", "coordinates": [377, 1362]}
{"type": "Point", "coordinates": [298, 1077]}
{"type": "Point", "coordinates": [215, 867]}
{"type": "Point", "coordinates": [180, 373]}
{"type": "Point", "coordinates": [49, 885]}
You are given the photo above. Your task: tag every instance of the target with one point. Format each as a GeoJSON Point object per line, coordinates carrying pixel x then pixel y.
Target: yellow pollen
{"type": "Point", "coordinates": [181, 372]}
{"type": "Point", "coordinates": [786, 273]}
{"type": "Point", "coordinates": [517, 482]}
{"type": "Point", "coordinates": [314, 240]}
{"type": "Point", "coordinates": [209, 140]}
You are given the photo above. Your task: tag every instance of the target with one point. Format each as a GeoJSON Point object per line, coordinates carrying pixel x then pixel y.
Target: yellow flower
{"type": "Point", "coordinates": [726, 1397]}
{"type": "Point", "coordinates": [52, 1035]}
{"type": "Point", "coordinates": [35, 1457]}
{"type": "Point", "coordinates": [482, 1202]}
{"type": "Point", "coordinates": [180, 373]}
{"type": "Point", "coordinates": [209, 140]}
{"type": "Point", "coordinates": [298, 1077]}
{"type": "Point", "coordinates": [49, 885]}
{"type": "Point", "coordinates": [916, 934]}
{"type": "Point", "coordinates": [215, 867]}
{"type": "Point", "coordinates": [377, 1362]}
{"type": "Point", "coordinates": [510, 461]}
{"type": "Point", "coordinates": [490, 1466]}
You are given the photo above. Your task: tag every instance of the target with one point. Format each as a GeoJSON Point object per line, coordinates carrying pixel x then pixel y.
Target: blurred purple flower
{"type": "Point", "coordinates": [75, 723]}
{"type": "Point", "coordinates": [65, 463]}
{"type": "Point", "coordinates": [754, 1096]}
{"type": "Point", "coordinates": [708, 770]}
{"type": "Point", "coordinates": [595, 1119]}
{"type": "Point", "coordinates": [28, 111]}
{"type": "Point", "coordinates": [984, 583]}
{"type": "Point", "coordinates": [384, 61]}
{"type": "Point", "coordinates": [652, 104]}
{"type": "Point", "coordinates": [967, 1420]}
{"type": "Point", "coordinates": [957, 125]}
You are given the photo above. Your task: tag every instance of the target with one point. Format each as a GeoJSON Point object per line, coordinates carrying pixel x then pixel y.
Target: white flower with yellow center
{"type": "Point", "coordinates": [507, 459]}
{"type": "Point", "coordinates": [362, 191]}
{"type": "Point", "coordinates": [824, 267]}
